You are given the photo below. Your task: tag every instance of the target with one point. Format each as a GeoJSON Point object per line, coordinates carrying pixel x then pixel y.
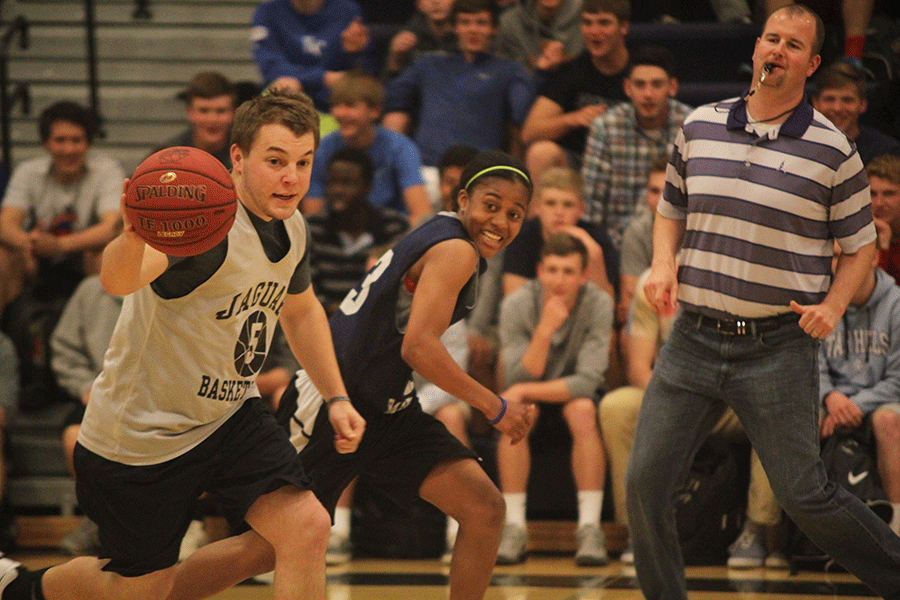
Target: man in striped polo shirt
{"type": "Point", "coordinates": [757, 189]}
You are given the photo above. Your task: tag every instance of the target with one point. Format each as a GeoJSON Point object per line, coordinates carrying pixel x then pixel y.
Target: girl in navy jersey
{"type": "Point", "coordinates": [390, 325]}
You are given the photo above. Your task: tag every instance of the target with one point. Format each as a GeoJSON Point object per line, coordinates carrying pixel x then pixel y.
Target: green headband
{"type": "Point", "coordinates": [497, 168]}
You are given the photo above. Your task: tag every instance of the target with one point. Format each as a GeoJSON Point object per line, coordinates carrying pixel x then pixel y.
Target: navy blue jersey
{"type": "Point", "coordinates": [368, 327]}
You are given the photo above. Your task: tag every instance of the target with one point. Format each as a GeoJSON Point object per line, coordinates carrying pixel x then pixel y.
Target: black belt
{"type": "Point", "coordinates": [744, 326]}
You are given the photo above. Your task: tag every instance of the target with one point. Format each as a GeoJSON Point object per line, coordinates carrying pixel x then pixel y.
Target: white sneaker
{"type": "Point", "coordinates": [339, 549]}
{"type": "Point", "coordinates": [194, 539]}
{"type": "Point", "coordinates": [512, 545]}
{"type": "Point", "coordinates": [627, 556]}
{"type": "Point", "coordinates": [447, 556]}
{"type": "Point", "coordinates": [9, 570]}
{"type": "Point", "coordinates": [777, 560]}
{"type": "Point", "coordinates": [265, 578]}
{"type": "Point", "coordinates": [84, 540]}
{"type": "Point", "coordinates": [591, 547]}
{"type": "Point", "coordinates": [747, 552]}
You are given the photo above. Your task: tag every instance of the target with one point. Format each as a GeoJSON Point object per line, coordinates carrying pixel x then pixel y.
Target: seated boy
{"type": "Point", "coordinates": [356, 103]}
{"type": "Point", "coordinates": [859, 375]}
{"type": "Point", "coordinates": [554, 342]}
{"type": "Point", "coordinates": [559, 207]}
{"type": "Point", "coordinates": [348, 227]}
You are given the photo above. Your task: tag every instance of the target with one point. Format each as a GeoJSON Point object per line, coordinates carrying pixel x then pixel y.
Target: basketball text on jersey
{"type": "Point", "coordinates": [267, 294]}
{"type": "Point", "coordinates": [225, 390]}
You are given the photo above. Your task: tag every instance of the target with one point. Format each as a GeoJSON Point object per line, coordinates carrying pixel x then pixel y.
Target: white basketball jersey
{"type": "Point", "coordinates": [176, 369]}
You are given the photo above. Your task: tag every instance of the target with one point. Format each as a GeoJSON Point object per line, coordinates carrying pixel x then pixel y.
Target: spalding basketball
{"type": "Point", "coordinates": [181, 201]}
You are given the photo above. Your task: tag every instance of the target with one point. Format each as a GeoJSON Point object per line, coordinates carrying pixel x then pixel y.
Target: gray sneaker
{"type": "Point", "coordinates": [512, 545]}
{"type": "Point", "coordinates": [777, 560]}
{"type": "Point", "coordinates": [591, 547]}
{"type": "Point", "coordinates": [84, 540]}
{"type": "Point", "coordinates": [747, 552]}
{"type": "Point", "coordinates": [339, 549]}
{"type": "Point", "coordinates": [627, 556]}
{"type": "Point", "coordinates": [9, 570]}
{"type": "Point", "coordinates": [447, 556]}
{"type": "Point", "coordinates": [194, 539]}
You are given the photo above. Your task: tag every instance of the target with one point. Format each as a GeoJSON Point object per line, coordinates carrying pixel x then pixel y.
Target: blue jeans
{"type": "Point", "coordinates": [771, 381]}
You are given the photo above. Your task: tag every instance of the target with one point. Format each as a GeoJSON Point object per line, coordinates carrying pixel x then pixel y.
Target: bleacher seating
{"type": "Point", "coordinates": [712, 60]}
{"type": "Point", "coordinates": [144, 63]}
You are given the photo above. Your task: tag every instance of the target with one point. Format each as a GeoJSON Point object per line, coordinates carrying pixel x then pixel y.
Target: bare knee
{"type": "Point", "coordinates": [886, 426]}
{"type": "Point", "coordinates": [486, 507]}
{"type": "Point", "coordinates": [581, 417]}
{"type": "Point", "coordinates": [290, 519]}
{"type": "Point", "coordinates": [315, 523]}
{"type": "Point", "coordinates": [492, 508]}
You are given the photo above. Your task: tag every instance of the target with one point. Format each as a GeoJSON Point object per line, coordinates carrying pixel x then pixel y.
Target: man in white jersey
{"type": "Point", "coordinates": [758, 189]}
{"type": "Point", "coordinates": [176, 412]}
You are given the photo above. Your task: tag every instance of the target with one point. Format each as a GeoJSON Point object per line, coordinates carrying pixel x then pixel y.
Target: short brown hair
{"type": "Point", "coordinates": [72, 112]}
{"type": "Point", "coordinates": [560, 178]}
{"type": "Point", "coordinates": [565, 244]}
{"type": "Point", "coordinates": [209, 84]}
{"type": "Point", "coordinates": [356, 86]}
{"type": "Point", "coordinates": [660, 165]}
{"type": "Point", "coordinates": [886, 166]}
{"type": "Point", "coordinates": [470, 7]}
{"type": "Point", "coordinates": [620, 8]}
{"type": "Point", "coordinates": [839, 75]}
{"type": "Point", "coordinates": [294, 111]}
{"type": "Point", "coordinates": [796, 10]}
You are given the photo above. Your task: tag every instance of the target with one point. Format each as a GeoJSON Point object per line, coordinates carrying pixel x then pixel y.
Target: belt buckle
{"type": "Point", "coordinates": [740, 327]}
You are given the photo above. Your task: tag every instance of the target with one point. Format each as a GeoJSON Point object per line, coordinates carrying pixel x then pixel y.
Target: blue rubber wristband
{"type": "Point", "coordinates": [499, 417]}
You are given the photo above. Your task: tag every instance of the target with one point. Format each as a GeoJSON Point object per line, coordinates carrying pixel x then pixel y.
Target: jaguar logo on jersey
{"type": "Point", "coordinates": [267, 294]}
{"type": "Point", "coordinates": [250, 350]}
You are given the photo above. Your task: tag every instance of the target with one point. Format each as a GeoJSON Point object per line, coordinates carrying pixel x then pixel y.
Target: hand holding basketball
{"type": "Point", "coordinates": [180, 201]}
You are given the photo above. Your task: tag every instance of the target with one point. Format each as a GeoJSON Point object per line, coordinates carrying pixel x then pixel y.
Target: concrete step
{"type": "Point", "coordinates": [153, 102]}
{"type": "Point", "coordinates": [210, 42]}
{"type": "Point", "coordinates": [236, 12]}
{"type": "Point", "coordinates": [128, 155]}
{"type": "Point", "coordinates": [57, 493]}
{"type": "Point", "coordinates": [126, 71]}
{"type": "Point", "coordinates": [142, 65]}
{"type": "Point", "coordinates": [134, 132]}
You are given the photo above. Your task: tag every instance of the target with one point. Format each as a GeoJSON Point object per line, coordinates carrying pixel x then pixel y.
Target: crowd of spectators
{"type": "Point", "coordinates": [561, 318]}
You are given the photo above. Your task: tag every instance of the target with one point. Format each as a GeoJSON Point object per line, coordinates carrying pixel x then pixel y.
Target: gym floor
{"type": "Point", "coordinates": [544, 577]}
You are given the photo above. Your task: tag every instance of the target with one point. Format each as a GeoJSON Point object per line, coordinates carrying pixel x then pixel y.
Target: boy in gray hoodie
{"type": "Point", "coordinates": [540, 34]}
{"type": "Point", "coordinates": [859, 375]}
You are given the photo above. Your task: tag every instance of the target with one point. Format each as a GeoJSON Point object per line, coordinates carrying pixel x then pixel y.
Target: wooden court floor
{"type": "Point", "coordinates": [545, 577]}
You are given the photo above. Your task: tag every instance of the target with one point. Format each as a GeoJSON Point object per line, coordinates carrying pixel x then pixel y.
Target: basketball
{"type": "Point", "coordinates": [181, 201]}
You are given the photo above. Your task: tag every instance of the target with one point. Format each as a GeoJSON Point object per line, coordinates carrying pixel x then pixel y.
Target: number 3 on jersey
{"type": "Point", "coordinates": [355, 298]}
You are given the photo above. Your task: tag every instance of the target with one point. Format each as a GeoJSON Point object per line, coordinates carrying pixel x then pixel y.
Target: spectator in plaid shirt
{"type": "Point", "coordinates": [624, 141]}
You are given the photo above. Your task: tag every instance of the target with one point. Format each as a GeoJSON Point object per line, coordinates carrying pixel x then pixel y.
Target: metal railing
{"type": "Point", "coordinates": [18, 27]}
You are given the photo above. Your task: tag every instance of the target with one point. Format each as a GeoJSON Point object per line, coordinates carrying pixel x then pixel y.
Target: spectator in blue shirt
{"type": "Point", "coordinates": [308, 45]}
{"type": "Point", "coordinates": [841, 96]}
{"type": "Point", "coordinates": [466, 97]}
{"type": "Point", "coordinates": [356, 103]}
